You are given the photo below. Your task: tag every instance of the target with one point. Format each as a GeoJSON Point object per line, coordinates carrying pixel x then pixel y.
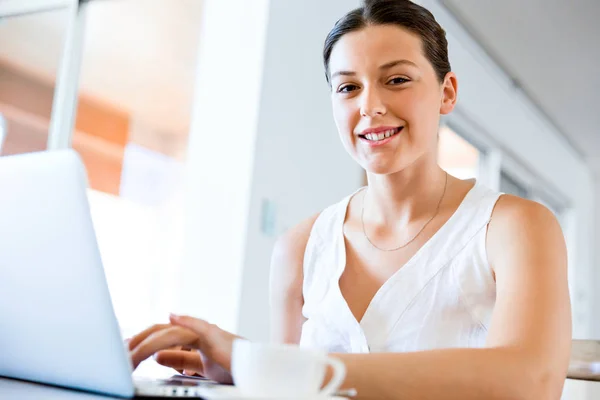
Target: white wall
{"type": "Point", "coordinates": [596, 277]}
{"type": "Point", "coordinates": [593, 388]}
{"type": "Point", "coordinates": [595, 165]}
{"type": "Point", "coordinates": [220, 158]}
{"type": "Point", "coordinates": [300, 164]}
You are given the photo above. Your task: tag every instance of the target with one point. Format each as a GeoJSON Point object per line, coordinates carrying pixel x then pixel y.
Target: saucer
{"type": "Point", "coordinates": [234, 393]}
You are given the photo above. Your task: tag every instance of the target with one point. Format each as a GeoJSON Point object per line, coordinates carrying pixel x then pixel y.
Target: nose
{"type": "Point", "coordinates": [372, 104]}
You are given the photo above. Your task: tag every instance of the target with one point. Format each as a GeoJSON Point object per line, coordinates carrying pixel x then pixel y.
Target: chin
{"type": "Point", "coordinates": [380, 169]}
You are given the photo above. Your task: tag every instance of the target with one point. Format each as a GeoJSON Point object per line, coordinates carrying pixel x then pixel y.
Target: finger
{"type": "Point", "coordinates": [180, 360]}
{"type": "Point", "coordinates": [182, 348]}
{"type": "Point", "coordinates": [140, 337]}
{"type": "Point", "coordinates": [162, 340]}
{"type": "Point", "coordinates": [174, 348]}
{"type": "Point", "coordinates": [198, 326]}
{"type": "Point", "coordinates": [180, 371]}
{"type": "Point", "coordinates": [213, 342]}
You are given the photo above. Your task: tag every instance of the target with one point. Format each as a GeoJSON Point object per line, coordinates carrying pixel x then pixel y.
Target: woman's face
{"type": "Point", "coordinates": [386, 98]}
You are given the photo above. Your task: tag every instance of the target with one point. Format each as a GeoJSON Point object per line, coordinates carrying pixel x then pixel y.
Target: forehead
{"type": "Point", "coordinates": [375, 45]}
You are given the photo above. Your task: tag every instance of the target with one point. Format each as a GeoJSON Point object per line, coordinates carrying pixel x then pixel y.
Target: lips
{"type": "Point", "coordinates": [380, 135]}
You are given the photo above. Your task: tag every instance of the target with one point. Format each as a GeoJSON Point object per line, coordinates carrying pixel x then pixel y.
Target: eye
{"type": "Point", "coordinates": [398, 81]}
{"type": "Point", "coordinates": [347, 88]}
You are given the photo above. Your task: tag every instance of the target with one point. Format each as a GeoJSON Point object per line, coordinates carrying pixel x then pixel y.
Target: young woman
{"type": "Point", "coordinates": [424, 285]}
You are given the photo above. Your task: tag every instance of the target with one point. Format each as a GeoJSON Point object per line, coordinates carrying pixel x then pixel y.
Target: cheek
{"type": "Point", "coordinates": [345, 123]}
{"type": "Point", "coordinates": [422, 113]}
{"type": "Point", "coordinates": [344, 118]}
{"type": "Point", "coordinates": [415, 106]}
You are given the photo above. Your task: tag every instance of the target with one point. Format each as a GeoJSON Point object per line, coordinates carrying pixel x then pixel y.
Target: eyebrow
{"type": "Point", "coordinates": [384, 67]}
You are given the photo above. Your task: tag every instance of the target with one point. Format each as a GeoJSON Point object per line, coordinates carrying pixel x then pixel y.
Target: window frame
{"type": "Point", "coordinates": [64, 104]}
{"type": "Point", "coordinates": [15, 8]}
{"type": "Point", "coordinates": [496, 160]}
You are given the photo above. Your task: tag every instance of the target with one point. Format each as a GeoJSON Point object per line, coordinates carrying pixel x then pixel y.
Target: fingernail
{"type": "Point", "coordinates": [173, 316]}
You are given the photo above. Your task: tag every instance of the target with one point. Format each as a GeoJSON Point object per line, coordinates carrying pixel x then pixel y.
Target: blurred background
{"type": "Point", "coordinates": [206, 130]}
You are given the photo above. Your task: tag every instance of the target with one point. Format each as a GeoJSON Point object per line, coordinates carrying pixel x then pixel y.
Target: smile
{"type": "Point", "coordinates": [381, 136]}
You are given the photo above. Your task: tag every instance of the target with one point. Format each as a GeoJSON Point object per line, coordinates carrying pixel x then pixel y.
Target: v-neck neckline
{"type": "Point", "coordinates": [406, 268]}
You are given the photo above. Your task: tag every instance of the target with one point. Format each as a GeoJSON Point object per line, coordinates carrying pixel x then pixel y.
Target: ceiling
{"type": "Point", "coordinates": [550, 47]}
{"type": "Point", "coordinates": [139, 55]}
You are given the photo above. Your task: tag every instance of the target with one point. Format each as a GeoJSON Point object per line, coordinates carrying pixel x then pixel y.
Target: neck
{"type": "Point", "coordinates": [399, 198]}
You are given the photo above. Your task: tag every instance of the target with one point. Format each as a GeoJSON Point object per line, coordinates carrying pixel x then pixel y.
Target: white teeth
{"type": "Point", "coordinates": [380, 136]}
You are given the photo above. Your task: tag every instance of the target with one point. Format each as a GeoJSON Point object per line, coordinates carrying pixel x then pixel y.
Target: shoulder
{"type": "Point", "coordinates": [522, 230]}
{"type": "Point", "coordinates": [287, 259]}
{"type": "Point", "coordinates": [513, 214]}
{"type": "Point", "coordinates": [290, 246]}
{"type": "Point", "coordinates": [288, 253]}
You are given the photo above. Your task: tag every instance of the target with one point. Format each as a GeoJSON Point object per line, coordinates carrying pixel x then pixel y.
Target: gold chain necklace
{"type": "Point", "coordinates": [362, 214]}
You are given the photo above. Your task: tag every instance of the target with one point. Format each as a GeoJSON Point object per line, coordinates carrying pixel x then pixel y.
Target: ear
{"type": "Point", "coordinates": [449, 93]}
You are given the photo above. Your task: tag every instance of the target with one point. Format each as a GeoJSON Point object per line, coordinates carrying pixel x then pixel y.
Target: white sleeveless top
{"type": "Point", "coordinates": [442, 297]}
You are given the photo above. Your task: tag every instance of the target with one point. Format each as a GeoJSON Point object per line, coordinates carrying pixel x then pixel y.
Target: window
{"type": "Point", "coordinates": [133, 119]}
{"type": "Point", "coordinates": [26, 90]}
{"type": "Point", "coordinates": [511, 186]}
{"type": "Point", "coordinates": [457, 156]}
{"type": "Point", "coordinates": [493, 166]}
{"type": "Point", "coordinates": [131, 129]}
{"type": "Point", "coordinates": [515, 179]}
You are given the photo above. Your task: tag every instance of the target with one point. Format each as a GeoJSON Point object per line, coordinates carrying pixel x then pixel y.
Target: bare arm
{"type": "Point", "coordinates": [528, 345]}
{"type": "Point", "coordinates": [286, 283]}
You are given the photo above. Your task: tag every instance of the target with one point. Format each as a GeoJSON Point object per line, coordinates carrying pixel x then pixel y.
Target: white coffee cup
{"type": "Point", "coordinates": [283, 371]}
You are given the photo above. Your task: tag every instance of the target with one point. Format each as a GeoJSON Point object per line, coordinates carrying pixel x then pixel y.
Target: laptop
{"type": "Point", "coordinates": [57, 324]}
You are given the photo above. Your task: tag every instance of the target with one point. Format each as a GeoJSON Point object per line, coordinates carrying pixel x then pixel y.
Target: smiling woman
{"type": "Point", "coordinates": [425, 285]}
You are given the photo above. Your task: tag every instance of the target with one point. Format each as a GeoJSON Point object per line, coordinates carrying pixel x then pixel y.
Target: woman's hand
{"type": "Point", "coordinates": [188, 372]}
{"type": "Point", "coordinates": [212, 355]}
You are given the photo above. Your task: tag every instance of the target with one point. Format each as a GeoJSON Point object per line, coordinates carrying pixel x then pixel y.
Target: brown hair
{"type": "Point", "coordinates": [403, 13]}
